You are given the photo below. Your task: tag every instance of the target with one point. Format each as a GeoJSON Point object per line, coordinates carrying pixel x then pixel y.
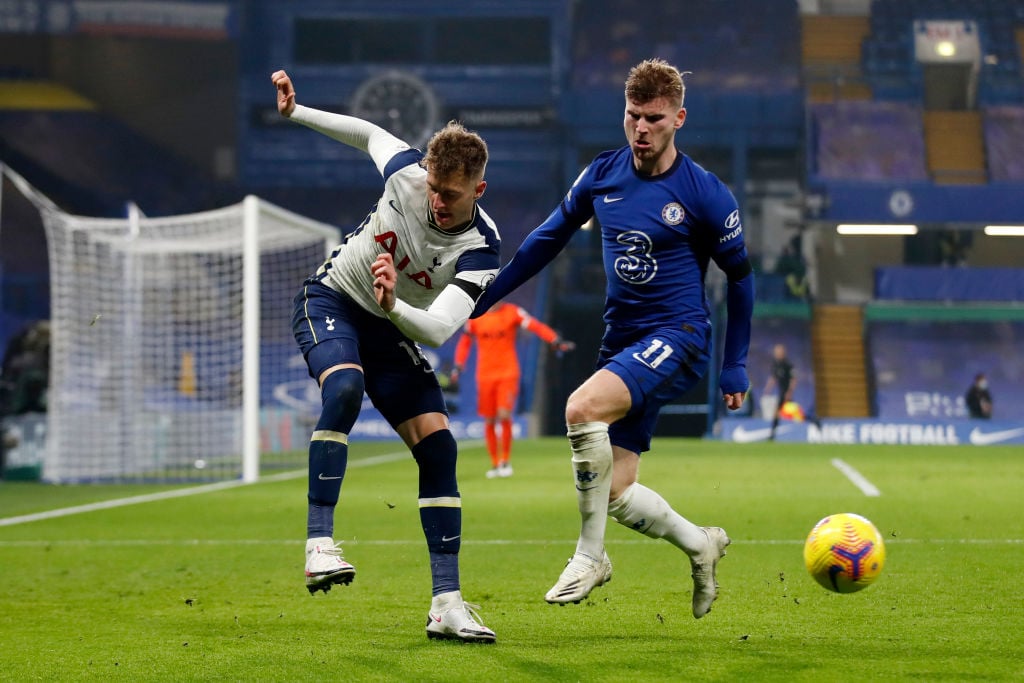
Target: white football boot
{"type": "Point", "coordinates": [504, 469]}
{"type": "Point", "coordinates": [705, 585]}
{"type": "Point", "coordinates": [452, 618]}
{"type": "Point", "coordinates": [581, 575]}
{"type": "Point", "coordinates": [325, 566]}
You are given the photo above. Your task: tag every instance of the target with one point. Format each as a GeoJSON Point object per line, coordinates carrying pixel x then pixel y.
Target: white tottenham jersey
{"type": "Point", "coordinates": [426, 257]}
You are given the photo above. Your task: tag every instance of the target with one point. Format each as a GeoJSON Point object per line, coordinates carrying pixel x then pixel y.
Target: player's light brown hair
{"type": "Point", "coordinates": [454, 150]}
{"type": "Point", "coordinates": [654, 78]}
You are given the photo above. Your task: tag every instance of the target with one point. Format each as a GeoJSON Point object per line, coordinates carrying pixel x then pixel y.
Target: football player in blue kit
{"type": "Point", "coordinates": [410, 273]}
{"type": "Point", "coordinates": [662, 219]}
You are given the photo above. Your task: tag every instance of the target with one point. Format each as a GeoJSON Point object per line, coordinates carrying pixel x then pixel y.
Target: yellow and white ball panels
{"type": "Point", "coordinates": [844, 553]}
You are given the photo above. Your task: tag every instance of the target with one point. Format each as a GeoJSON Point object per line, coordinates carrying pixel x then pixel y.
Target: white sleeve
{"type": "Point", "coordinates": [354, 132]}
{"type": "Point", "coordinates": [441, 320]}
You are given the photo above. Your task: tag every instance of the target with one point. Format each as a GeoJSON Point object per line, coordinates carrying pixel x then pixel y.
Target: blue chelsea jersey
{"type": "Point", "coordinates": [658, 234]}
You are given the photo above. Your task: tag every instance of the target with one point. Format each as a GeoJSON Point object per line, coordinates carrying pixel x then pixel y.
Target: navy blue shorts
{"type": "Point", "coordinates": [331, 328]}
{"type": "Point", "coordinates": [657, 365]}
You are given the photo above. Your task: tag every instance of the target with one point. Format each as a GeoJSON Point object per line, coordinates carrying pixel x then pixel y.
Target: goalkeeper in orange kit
{"type": "Point", "coordinates": [497, 373]}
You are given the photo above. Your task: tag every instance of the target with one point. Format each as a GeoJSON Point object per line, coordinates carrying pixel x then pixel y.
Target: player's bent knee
{"type": "Point", "coordinates": [586, 405]}
{"type": "Point", "coordinates": [574, 409]}
{"type": "Point", "coordinates": [342, 394]}
{"type": "Point", "coordinates": [579, 410]}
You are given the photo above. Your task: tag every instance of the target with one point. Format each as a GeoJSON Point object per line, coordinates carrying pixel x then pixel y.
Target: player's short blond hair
{"type": "Point", "coordinates": [654, 78]}
{"type": "Point", "coordinates": [454, 150]}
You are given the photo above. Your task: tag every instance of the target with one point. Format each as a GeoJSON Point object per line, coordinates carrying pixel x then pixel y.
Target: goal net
{"type": "Point", "coordinates": [168, 338]}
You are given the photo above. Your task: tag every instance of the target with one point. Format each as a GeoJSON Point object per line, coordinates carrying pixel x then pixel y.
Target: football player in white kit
{"type": "Point", "coordinates": [410, 273]}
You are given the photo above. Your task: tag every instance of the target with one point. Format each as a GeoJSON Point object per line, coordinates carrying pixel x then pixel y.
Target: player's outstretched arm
{"type": "Point", "coordinates": [537, 250]}
{"type": "Point", "coordinates": [545, 332]}
{"type": "Point", "coordinates": [563, 345]}
{"type": "Point", "coordinates": [285, 93]}
{"type": "Point", "coordinates": [462, 349]}
{"type": "Point", "coordinates": [354, 132]}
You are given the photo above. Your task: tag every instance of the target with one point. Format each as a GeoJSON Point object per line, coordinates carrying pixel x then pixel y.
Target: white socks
{"type": "Point", "coordinates": [643, 510]}
{"type": "Point", "coordinates": [638, 508]}
{"type": "Point", "coordinates": [592, 466]}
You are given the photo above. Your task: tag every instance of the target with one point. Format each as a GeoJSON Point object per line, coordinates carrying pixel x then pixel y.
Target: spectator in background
{"type": "Point", "coordinates": [783, 379]}
{"type": "Point", "coordinates": [793, 268]}
{"type": "Point", "coordinates": [25, 372]}
{"type": "Point", "coordinates": [978, 398]}
{"type": "Point", "coordinates": [497, 373]}
{"type": "Point", "coordinates": [24, 379]}
{"type": "Point", "coordinates": [953, 247]}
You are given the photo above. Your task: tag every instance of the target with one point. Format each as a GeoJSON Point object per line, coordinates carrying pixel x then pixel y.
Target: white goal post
{"type": "Point", "coordinates": [167, 337]}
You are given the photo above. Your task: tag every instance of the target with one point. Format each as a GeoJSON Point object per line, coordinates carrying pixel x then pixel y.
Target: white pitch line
{"type": "Point", "coordinates": [181, 493]}
{"type": "Point", "coordinates": [858, 479]}
{"type": "Point", "coordinates": [143, 542]}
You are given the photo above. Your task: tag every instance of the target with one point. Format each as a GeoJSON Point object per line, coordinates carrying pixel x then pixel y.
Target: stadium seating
{"type": "Point", "coordinates": [934, 141]}
{"type": "Point", "coordinates": [868, 126]}
{"type": "Point", "coordinates": [888, 52]}
{"type": "Point", "coordinates": [727, 44]}
{"type": "Point", "coordinates": [923, 367]}
{"type": "Point", "coordinates": [1004, 142]}
{"type": "Point", "coordinates": [868, 140]}
{"type": "Point", "coordinates": [98, 163]}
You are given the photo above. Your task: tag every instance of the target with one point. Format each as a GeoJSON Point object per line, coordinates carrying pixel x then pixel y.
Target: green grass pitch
{"type": "Point", "coordinates": [210, 586]}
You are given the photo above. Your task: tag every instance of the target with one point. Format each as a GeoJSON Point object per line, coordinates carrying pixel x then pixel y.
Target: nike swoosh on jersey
{"type": "Point", "coordinates": [397, 210]}
{"type": "Point", "coordinates": [609, 200]}
{"type": "Point", "coordinates": [980, 438]}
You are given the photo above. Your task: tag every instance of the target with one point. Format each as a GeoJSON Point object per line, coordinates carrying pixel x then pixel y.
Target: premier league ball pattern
{"type": "Point", "coordinates": [844, 553]}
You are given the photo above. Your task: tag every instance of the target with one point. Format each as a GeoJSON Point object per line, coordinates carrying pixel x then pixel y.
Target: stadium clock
{"type": "Point", "coordinates": [399, 102]}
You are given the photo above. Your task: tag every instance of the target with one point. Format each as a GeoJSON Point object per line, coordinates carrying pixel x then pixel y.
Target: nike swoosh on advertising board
{"type": "Point", "coordinates": [980, 438]}
{"type": "Point", "coordinates": [743, 435]}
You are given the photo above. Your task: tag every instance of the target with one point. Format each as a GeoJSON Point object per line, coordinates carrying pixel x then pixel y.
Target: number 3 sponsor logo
{"type": "Point", "coordinates": [636, 266]}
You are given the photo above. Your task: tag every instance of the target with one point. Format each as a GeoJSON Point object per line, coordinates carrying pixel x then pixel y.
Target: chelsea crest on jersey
{"type": "Point", "coordinates": [658, 235]}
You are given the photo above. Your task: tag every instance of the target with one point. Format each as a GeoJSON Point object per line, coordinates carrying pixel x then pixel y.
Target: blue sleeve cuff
{"type": "Point", "coordinates": [740, 304]}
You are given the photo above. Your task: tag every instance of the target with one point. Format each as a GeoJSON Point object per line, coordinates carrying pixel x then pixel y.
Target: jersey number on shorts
{"type": "Point", "coordinates": [655, 354]}
{"type": "Point", "coordinates": [416, 356]}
